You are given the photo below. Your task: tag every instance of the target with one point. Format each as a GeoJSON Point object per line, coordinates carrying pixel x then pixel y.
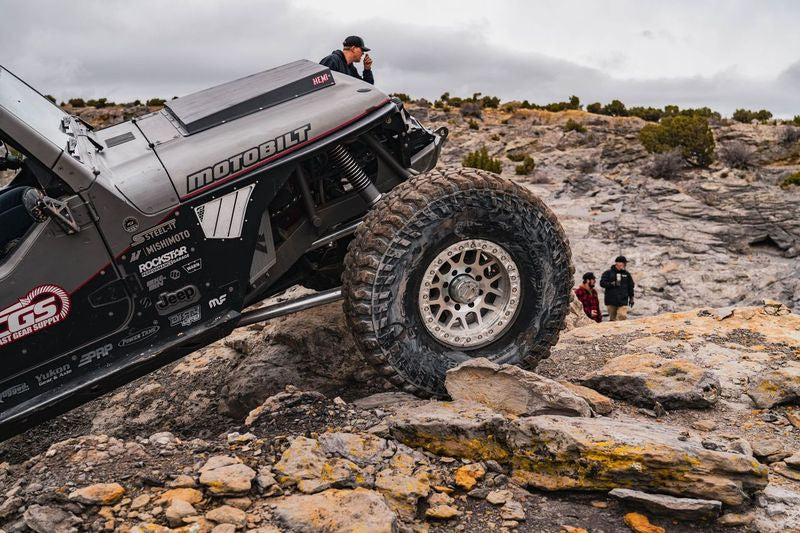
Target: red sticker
{"type": "Point", "coordinates": [41, 308]}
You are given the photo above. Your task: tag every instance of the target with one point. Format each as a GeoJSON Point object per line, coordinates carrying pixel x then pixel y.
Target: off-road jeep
{"type": "Point", "coordinates": [157, 236]}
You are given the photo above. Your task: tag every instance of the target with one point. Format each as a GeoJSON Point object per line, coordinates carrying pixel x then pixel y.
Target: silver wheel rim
{"type": "Point", "coordinates": [470, 294]}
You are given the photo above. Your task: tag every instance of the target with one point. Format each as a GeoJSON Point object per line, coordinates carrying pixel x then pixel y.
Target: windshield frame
{"type": "Point", "coordinates": [30, 107]}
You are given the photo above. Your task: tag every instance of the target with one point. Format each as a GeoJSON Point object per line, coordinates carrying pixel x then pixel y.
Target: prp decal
{"type": "Point", "coordinates": [41, 308]}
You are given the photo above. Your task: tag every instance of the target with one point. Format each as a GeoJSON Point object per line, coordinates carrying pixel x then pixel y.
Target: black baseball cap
{"type": "Point", "coordinates": [621, 259]}
{"type": "Point", "coordinates": [355, 40]}
{"type": "Point", "coordinates": [588, 275]}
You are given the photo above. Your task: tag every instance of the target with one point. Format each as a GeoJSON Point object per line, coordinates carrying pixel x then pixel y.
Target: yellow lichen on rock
{"type": "Point", "coordinates": [640, 524]}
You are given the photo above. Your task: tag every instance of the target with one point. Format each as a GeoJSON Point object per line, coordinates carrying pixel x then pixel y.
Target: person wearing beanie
{"type": "Point", "coordinates": [587, 295]}
{"type": "Point", "coordinates": [618, 284]}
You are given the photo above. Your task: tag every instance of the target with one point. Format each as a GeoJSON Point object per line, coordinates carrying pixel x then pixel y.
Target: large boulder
{"type": "Point", "coordinates": [776, 387]}
{"type": "Point", "coordinates": [644, 379]}
{"type": "Point", "coordinates": [336, 511]}
{"type": "Point", "coordinates": [511, 390]}
{"type": "Point", "coordinates": [570, 453]}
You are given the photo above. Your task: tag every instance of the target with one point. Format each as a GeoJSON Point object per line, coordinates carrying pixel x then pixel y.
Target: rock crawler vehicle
{"type": "Point", "coordinates": [161, 233]}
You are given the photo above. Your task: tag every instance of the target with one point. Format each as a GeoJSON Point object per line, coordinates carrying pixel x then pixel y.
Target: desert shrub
{"type": "Point", "coordinates": [689, 134]}
{"type": "Point", "coordinates": [650, 114]}
{"type": "Point", "coordinates": [473, 124]}
{"type": "Point", "coordinates": [792, 180]}
{"type": "Point", "coordinates": [455, 101]}
{"type": "Point", "coordinates": [76, 102]}
{"type": "Point", "coordinates": [516, 157]}
{"type": "Point", "coordinates": [481, 159]}
{"type": "Point", "coordinates": [526, 167]}
{"type": "Point", "coordinates": [796, 120]}
{"type": "Point", "coordinates": [490, 101]}
{"type": "Point", "coordinates": [471, 109]}
{"type": "Point", "coordinates": [99, 103]}
{"type": "Point", "coordinates": [403, 97]}
{"type": "Point", "coordinates": [154, 102]}
{"type": "Point", "coordinates": [572, 125]}
{"type": "Point", "coordinates": [666, 164]}
{"type": "Point", "coordinates": [445, 97]}
{"type": "Point", "coordinates": [587, 165]}
{"type": "Point", "coordinates": [745, 115]}
{"type": "Point", "coordinates": [438, 104]}
{"type": "Point", "coordinates": [789, 135]}
{"type": "Point", "coordinates": [422, 102]}
{"type": "Point", "coordinates": [595, 107]}
{"type": "Point", "coordinates": [736, 154]}
{"type": "Point", "coordinates": [615, 109]}
{"type": "Point", "coordinates": [495, 137]}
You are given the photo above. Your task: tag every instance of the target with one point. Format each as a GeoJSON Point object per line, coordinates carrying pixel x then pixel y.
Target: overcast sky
{"type": "Point", "coordinates": [721, 54]}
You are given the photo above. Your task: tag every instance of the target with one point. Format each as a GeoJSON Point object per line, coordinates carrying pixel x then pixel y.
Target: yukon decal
{"type": "Point", "coordinates": [163, 261]}
{"type": "Point", "coordinates": [54, 374]}
{"type": "Point", "coordinates": [223, 217]}
{"type": "Point", "coordinates": [245, 159]}
{"type": "Point", "coordinates": [41, 308]}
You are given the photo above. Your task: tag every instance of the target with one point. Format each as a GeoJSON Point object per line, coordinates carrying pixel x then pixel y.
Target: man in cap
{"type": "Point", "coordinates": [618, 284]}
{"type": "Point", "coordinates": [353, 50]}
{"type": "Point", "coordinates": [587, 295]}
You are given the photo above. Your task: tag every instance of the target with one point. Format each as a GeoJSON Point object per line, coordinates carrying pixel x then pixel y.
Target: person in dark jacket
{"type": "Point", "coordinates": [587, 295]}
{"type": "Point", "coordinates": [618, 284]}
{"type": "Point", "coordinates": [352, 51]}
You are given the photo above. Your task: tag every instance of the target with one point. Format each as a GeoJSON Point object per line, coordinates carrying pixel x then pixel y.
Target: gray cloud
{"type": "Point", "coordinates": [148, 48]}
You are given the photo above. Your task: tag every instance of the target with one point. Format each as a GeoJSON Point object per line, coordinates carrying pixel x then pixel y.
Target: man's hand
{"type": "Point", "coordinates": [367, 62]}
{"type": "Point", "coordinates": [630, 303]}
{"type": "Point", "coordinates": [594, 312]}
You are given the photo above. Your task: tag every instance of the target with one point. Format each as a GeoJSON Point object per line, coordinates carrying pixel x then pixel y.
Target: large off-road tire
{"type": "Point", "coordinates": [453, 265]}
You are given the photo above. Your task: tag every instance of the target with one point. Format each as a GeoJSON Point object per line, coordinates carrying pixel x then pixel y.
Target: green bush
{"type": "Point", "coordinates": [490, 101]}
{"type": "Point", "coordinates": [572, 125]}
{"type": "Point", "coordinates": [473, 125]}
{"type": "Point", "coordinates": [155, 102]}
{"type": "Point", "coordinates": [792, 180]}
{"type": "Point", "coordinates": [99, 103]}
{"type": "Point", "coordinates": [471, 109]}
{"type": "Point", "coordinates": [595, 108]}
{"type": "Point", "coordinates": [690, 134]}
{"type": "Point", "coordinates": [527, 166]}
{"type": "Point", "coordinates": [480, 159]}
{"type": "Point", "coordinates": [403, 97]}
{"type": "Point", "coordinates": [77, 102]}
{"type": "Point", "coordinates": [650, 114]}
{"type": "Point", "coordinates": [516, 157]}
{"type": "Point", "coordinates": [745, 115]}
{"type": "Point", "coordinates": [796, 119]}
{"type": "Point", "coordinates": [615, 109]}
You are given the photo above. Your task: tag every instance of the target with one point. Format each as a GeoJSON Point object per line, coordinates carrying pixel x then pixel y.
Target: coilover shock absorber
{"type": "Point", "coordinates": [355, 174]}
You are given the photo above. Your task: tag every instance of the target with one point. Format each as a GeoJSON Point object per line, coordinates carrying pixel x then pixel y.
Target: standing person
{"type": "Point", "coordinates": [587, 295]}
{"type": "Point", "coordinates": [618, 284]}
{"type": "Point", "coordinates": [352, 51]}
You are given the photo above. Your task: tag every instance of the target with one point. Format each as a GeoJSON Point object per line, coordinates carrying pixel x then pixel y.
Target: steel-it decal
{"type": "Point", "coordinates": [163, 261]}
{"type": "Point", "coordinates": [19, 388]}
{"type": "Point", "coordinates": [223, 217]}
{"type": "Point", "coordinates": [156, 231]}
{"type": "Point", "coordinates": [245, 159]}
{"type": "Point", "coordinates": [41, 308]}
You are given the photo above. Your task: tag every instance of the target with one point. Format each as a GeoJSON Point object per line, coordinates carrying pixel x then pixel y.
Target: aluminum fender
{"type": "Point", "coordinates": [133, 168]}
{"type": "Point", "coordinates": [202, 161]}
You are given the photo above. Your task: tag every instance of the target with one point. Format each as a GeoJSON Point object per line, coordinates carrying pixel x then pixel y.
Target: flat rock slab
{"type": "Point", "coordinates": [337, 511]}
{"type": "Point", "coordinates": [511, 390]}
{"type": "Point", "coordinates": [677, 508]}
{"type": "Point", "coordinates": [777, 387]}
{"type": "Point", "coordinates": [644, 379]}
{"type": "Point", "coordinates": [572, 453]}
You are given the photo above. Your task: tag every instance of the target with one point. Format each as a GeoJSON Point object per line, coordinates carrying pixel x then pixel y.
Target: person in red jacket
{"type": "Point", "coordinates": [587, 295]}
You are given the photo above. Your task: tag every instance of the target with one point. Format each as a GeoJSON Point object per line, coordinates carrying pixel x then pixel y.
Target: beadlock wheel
{"type": "Point", "coordinates": [470, 293]}
{"type": "Point", "coordinates": [467, 252]}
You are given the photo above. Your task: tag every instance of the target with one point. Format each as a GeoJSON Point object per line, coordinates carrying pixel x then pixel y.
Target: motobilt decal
{"type": "Point", "coordinates": [41, 308]}
{"type": "Point", "coordinates": [245, 159]}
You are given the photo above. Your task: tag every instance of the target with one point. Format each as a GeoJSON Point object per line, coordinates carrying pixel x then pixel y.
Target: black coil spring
{"type": "Point", "coordinates": [350, 168]}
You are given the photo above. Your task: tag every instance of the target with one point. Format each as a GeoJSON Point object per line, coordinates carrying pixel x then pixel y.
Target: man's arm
{"type": "Point", "coordinates": [368, 77]}
{"type": "Point", "coordinates": [605, 279]}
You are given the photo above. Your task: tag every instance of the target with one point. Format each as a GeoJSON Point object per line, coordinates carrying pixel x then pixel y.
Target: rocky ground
{"type": "Point", "coordinates": [685, 420]}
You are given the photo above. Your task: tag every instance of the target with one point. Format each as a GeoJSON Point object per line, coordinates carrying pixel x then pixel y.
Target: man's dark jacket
{"type": "Point", "coordinates": [617, 294]}
{"type": "Point", "coordinates": [338, 63]}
